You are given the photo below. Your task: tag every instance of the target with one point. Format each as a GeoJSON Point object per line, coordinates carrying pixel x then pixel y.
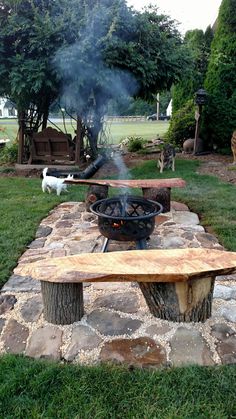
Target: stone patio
{"type": "Point", "coordinates": [117, 325]}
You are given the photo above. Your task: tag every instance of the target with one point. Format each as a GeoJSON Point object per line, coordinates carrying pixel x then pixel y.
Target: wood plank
{"type": "Point", "coordinates": [171, 265]}
{"type": "Point", "coordinates": [132, 183]}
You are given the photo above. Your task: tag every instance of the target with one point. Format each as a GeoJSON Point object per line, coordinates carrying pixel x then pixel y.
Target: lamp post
{"type": "Point", "coordinates": [158, 105]}
{"type": "Point", "coordinates": [200, 100]}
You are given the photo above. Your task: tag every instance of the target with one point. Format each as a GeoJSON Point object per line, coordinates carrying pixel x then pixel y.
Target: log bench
{"type": "Point", "coordinates": [158, 190]}
{"type": "Point", "coordinates": [177, 284]}
{"type": "Point", "coordinates": [50, 145]}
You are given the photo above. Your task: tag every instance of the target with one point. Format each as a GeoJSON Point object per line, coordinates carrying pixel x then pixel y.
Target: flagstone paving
{"type": "Point", "coordinates": [117, 325]}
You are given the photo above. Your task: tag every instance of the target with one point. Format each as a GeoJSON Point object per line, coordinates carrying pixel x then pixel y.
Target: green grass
{"type": "Point", "coordinates": [212, 199]}
{"type": "Point", "coordinates": [22, 207]}
{"type": "Point", "coordinates": [116, 131]}
{"type": "Point", "coordinates": [147, 130]}
{"type": "Point", "coordinates": [35, 389]}
{"type": "Point", "coordinates": [39, 389]}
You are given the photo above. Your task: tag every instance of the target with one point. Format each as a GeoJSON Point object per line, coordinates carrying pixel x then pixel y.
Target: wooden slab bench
{"type": "Point", "coordinates": [158, 190]}
{"type": "Point", "coordinates": [49, 145]}
{"type": "Point", "coordinates": [177, 283]}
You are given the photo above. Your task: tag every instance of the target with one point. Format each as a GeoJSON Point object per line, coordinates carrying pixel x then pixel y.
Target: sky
{"type": "Point", "coordinates": [192, 14]}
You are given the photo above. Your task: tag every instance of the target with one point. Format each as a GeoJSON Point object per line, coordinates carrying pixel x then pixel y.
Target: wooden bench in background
{"type": "Point", "coordinates": [177, 284]}
{"type": "Point", "coordinates": [158, 190]}
{"type": "Point", "coordinates": [50, 145]}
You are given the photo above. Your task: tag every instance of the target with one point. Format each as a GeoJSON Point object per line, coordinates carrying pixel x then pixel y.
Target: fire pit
{"type": "Point", "coordinates": [126, 218]}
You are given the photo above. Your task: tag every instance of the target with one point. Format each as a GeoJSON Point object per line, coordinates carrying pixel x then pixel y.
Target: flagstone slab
{"type": "Point", "coordinates": [2, 324]}
{"type": "Point", "coordinates": [224, 292]}
{"type": "Point", "coordinates": [43, 231]}
{"type": "Point", "coordinates": [126, 302]}
{"type": "Point", "coordinates": [188, 348]}
{"type": "Point", "coordinates": [227, 350]}
{"type": "Point", "coordinates": [155, 330]}
{"type": "Point", "coordinates": [229, 312]}
{"type": "Point", "coordinates": [112, 324]}
{"type": "Point", "coordinates": [32, 309]}
{"type": "Point", "coordinates": [185, 217]}
{"type": "Point", "coordinates": [140, 352]}
{"type": "Point", "coordinates": [222, 331]}
{"type": "Point", "coordinates": [83, 338]}
{"type": "Point", "coordinates": [19, 283]}
{"type": "Point", "coordinates": [45, 342]}
{"type": "Point", "coordinates": [14, 337]}
{"type": "Point", "coordinates": [7, 302]}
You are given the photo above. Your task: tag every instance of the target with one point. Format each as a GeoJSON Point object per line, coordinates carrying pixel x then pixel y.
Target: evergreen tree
{"type": "Point", "coordinates": [198, 46]}
{"type": "Point", "coordinates": [219, 119]}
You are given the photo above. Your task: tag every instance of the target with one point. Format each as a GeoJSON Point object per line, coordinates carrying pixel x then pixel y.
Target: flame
{"type": "Point", "coordinates": [118, 225]}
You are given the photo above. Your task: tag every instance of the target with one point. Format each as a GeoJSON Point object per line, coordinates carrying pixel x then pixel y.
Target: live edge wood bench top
{"type": "Point", "coordinates": [139, 183]}
{"type": "Point", "coordinates": [169, 265]}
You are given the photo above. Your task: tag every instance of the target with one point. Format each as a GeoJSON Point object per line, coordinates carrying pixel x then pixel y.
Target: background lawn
{"type": "Point", "coordinates": [114, 131]}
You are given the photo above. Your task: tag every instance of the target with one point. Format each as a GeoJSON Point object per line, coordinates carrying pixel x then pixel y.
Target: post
{"type": "Point", "coordinates": [158, 105]}
{"type": "Point", "coordinates": [20, 138]}
{"type": "Point", "coordinates": [196, 137]}
{"type": "Point", "coordinates": [78, 140]}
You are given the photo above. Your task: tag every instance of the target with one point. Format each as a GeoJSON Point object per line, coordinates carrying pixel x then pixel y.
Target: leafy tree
{"type": "Point", "coordinates": [31, 31]}
{"type": "Point", "coordinates": [84, 55]}
{"type": "Point", "coordinates": [220, 114]}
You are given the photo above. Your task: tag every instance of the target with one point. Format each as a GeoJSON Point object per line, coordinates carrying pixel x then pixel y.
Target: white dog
{"type": "Point", "coordinates": [50, 183]}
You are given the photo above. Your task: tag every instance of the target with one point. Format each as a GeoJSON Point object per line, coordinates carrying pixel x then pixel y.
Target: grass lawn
{"type": "Point", "coordinates": [22, 207]}
{"type": "Point", "coordinates": [36, 389]}
{"type": "Point", "coordinates": [212, 199]}
{"type": "Point", "coordinates": [115, 131]}
{"type": "Point", "coordinates": [39, 389]}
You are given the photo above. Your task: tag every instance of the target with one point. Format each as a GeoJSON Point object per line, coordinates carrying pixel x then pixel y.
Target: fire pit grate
{"type": "Point", "coordinates": [126, 218]}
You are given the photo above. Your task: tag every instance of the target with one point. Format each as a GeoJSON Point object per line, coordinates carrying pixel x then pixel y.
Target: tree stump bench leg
{"type": "Point", "coordinates": [189, 301]}
{"type": "Point", "coordinates": [161, 195]}
{"type": "Point", "coordinates": [63, 302]}
{"type": "Point", "coordinates": [95, 193]}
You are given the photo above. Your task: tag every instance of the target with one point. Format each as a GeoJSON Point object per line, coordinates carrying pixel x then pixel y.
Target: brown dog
{"type": "Point", "coordinates": [233, 146]}
{"type": "Point", "coordinates": [166, 158]}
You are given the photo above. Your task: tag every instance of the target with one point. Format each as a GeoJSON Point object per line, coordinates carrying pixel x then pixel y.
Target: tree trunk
{"type": "Point", "coordinates": [189, 301]}
{"type": "Point", "coordinates": [21, 137]}
{"type": "Point", "coordinates": [161, 195]}
{"type": "Point", "coordinates": [63, 303]}
{"type": "Point", "coordinates": [95, 192]}
{"type": "Point", "coordinates": [79, 140]}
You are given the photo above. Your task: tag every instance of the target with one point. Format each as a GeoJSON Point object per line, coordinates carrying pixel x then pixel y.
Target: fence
{"type": "Point", "coordinates": [132, 118]}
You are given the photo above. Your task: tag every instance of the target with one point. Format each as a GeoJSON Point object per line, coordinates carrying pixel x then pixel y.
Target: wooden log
{"type": "Point", "coordinates": [95, 192]}
{"type": "Point", "coordinates": [132, 183]}
{"type": "Point", "coordinates": [181, 301]}
{"type": "Point", "coordinates": [63, 303]}
{"type": "Point", "coordinates": [161, 195]}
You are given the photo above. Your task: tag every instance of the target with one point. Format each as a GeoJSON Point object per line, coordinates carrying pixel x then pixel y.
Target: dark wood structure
{"type": "Point", "coordinates": [176, 283]}
{"type": "Point", "coordinates": [51, 145]}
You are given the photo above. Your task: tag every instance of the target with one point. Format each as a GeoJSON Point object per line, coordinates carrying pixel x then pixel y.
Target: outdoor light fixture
{"type": "Point", "coordinates": [200, 100]}
{"type": "Point", "coordinates": [201, 97]}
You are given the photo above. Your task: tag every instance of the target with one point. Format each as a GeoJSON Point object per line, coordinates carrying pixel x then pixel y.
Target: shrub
{"type": "Point", "coordinates": [135, 144]}
{"type": "Point", "coordinates": [182, 124]}
{"type": "Point", "coordinates": [8, 154]}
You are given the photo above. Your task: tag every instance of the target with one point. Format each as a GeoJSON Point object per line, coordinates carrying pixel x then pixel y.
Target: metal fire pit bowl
{"type": "Point", "coordinates": [126, 217]}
